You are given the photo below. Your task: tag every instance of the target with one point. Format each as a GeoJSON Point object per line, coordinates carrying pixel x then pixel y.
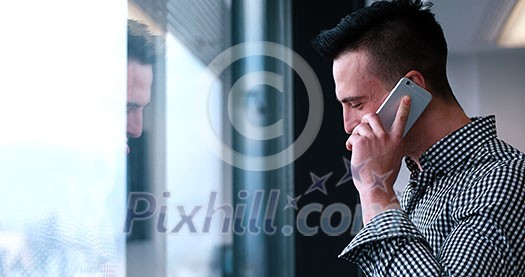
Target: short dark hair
{"type": "Point", "coordinates": [398, 36]}
{"type": "Point", "coordinates": [141, 43]}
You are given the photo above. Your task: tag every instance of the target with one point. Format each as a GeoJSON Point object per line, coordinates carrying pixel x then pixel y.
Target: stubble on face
{"type": "Point", "coordinates": [358, 89]}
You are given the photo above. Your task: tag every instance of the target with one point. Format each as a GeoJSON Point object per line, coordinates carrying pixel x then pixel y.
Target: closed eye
{"type": "Point", "coordinates": [354, 102]}
{"type": "Point", "coordinates": [132, 106]}
{"type": "Point", "coordinates": [356, 105]}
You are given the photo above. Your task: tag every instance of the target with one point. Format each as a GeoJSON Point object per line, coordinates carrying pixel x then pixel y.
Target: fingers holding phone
{"type": "Point", "coordinates": [401, 119]}
{"type": "Point", "coordinates": [377, 142]}
{"type": "Point", "coordinates": [376, 151]}
{"type": "Point", "coordinates": [419, 100]}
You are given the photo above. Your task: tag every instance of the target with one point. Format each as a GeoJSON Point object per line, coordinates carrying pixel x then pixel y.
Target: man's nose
{"type": "Point", "coordinates": [134, 129]}
{"type": "Point", "coordinates": [349, 126]}
{"type": "Point", "coordinates": [348, 122]}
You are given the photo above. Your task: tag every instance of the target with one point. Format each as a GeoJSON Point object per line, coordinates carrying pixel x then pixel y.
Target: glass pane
{"type": "Point", "coordinates": [62, 146]}
{"type": "Point", "coordinates": [171, 168]}
{"type": "Point", "coordinates": [195, 173]}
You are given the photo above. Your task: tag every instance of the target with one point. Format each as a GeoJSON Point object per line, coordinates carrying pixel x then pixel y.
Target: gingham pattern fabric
{"type": "Point", "coordinates": [463, 214]}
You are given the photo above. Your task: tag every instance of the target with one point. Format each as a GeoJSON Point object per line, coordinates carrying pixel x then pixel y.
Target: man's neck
{"type": "Point", "coordinates": [439, 120]}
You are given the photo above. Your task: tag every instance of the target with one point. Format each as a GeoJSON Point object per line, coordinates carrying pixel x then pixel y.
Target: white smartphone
{"type": "Point", "coordinates": [420, 98]}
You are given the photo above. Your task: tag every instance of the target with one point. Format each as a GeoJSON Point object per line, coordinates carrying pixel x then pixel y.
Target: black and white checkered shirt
{"type": "Point", "coordinates": [463, 214]}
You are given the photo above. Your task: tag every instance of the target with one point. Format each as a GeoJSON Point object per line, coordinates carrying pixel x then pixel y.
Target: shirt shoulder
{"type": "Point", "coordinates": [502, 163]}
{"type": "Point", "coordinates": [502, 151]}
{"type": "Point", "coordinates": [494, 175]}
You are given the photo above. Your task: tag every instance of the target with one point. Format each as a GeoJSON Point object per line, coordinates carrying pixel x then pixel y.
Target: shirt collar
{"type": "Point", "coordinates": [451, 152]}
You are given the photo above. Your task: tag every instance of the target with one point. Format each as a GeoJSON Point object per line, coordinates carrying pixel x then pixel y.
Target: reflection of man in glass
{"type": "Point", "coordinates": [141, 57]}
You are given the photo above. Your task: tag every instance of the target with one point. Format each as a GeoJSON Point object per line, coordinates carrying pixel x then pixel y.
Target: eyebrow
{"type": "Point", "coordinates": [351, 99]}
{"type": "Point", "coordinates": [135, 105]}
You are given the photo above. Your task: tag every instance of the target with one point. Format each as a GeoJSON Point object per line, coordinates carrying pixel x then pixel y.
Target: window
{"type": "Point", "coordinates": [62, 164]}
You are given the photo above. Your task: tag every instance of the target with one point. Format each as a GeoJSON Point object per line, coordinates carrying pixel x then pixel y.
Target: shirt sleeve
{"type": "Point", "coordinates": [486, 238]}
{"type": "Point", "coordinates": [390, 245]}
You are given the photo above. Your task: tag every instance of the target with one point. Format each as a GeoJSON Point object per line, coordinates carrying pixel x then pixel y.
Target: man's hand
{"type": "Point", "coordinates": [376, 159]}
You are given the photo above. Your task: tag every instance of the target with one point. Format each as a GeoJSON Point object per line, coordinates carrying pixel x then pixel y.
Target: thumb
{"type": "Point", "coordinates": [398, 127]}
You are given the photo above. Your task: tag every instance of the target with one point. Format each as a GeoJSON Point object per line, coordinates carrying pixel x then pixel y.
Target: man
{"type": "Point", "coordinates": [463, 212]}
{"type": "Point", "coordinates": [141, 57]}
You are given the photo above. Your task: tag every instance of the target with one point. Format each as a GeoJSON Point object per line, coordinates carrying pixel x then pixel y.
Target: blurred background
{"type": "Point", "coordinates": [243, 149]}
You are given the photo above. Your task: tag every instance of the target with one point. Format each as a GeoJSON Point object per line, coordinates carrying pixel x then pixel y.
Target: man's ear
{"type": "Point", "coordinates": [417, 78]}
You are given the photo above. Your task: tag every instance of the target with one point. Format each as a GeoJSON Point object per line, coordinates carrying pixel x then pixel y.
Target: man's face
{"type": "Point", "coordinates": [359, 91]}
{"type": "Point", "coordinates": [140, 79]}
